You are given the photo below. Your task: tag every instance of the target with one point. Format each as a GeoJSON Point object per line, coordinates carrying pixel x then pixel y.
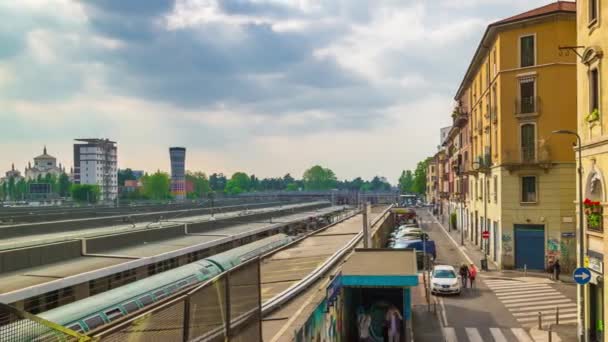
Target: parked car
{"type": "Point", "coordinates": [417, 245]}
{"type": "Point", "coordinates": [445, 280]}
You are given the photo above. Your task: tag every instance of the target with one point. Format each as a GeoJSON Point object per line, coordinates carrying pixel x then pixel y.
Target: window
{"type": "Point", "coordinates": [526, 95]}
{"type": "Point", "coordinates": [145, 300]}
{"type": "Point", "coordinates": [593, 11]}
{"type": "Point", "coordinates": [94, 322]}
{"type": "Point", "coordinates": [495, 189]}
{"type": "Point", "coordinates": [130, 307]}
{"type": "Point", "coordinates": [528, 143]}
{"type": "Point", "coordinates": [528, 189]}
{"type": "Point", "coordinates": [76, 327]}
{"type": "Point", "coordinates": [527, 51]}
{"type": "Point", "coordinates": [113, 314]}
{"type": "Point", "coordinates": [594, 90]}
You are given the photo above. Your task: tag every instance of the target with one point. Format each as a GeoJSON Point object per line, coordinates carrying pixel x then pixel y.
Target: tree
{"type": "Point", "coordinates": [406, 181]}
{"type": "Point", "coordinates": [419, 185]}
{"type": "Point", "coordinates": [319, 178]}
{"type": "Point", "coordinates": [292, 187]}
{"type": "Point", "coordinates": [157, 186]}
{"type": "Point", "coordinates": [85, 193]}
{"type": "Point", "coordinates": [124, 175]}
{"type": "Point", "coordinates": [217, 181]}
{"type": "Point", "coordinates": [63, 185]}
{"type": "Point", "coordinates": [254, 183]}
{"type": "Point", "coordinates": [200, 184]}
{"type": "Point", "coordinates": [239, 182]}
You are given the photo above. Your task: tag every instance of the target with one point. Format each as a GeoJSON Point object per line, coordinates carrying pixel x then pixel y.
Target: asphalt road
{"type": "Point", "coordinates": [478, 314]}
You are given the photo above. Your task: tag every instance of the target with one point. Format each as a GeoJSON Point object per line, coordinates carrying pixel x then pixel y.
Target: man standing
{"type": "Point", "coordinates": [464, 275]}
{"type": "Point", "coordinates": [472, 274]}
{"type": "Point", "coordinates": [557, 269]}
{"type": "Point", "coordinates": [364, 320]}
{"type": "Point", "coordinates": [393, 318]}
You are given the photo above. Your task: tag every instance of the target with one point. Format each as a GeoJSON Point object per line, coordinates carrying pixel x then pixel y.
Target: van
{"type": "Point", "coordinates": [418, 245]}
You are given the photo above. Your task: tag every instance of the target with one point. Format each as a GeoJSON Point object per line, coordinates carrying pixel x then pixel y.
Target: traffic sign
{"type": "Point", "coordinates": [485, 234]}
{"type": "Point", "coordinates": [582, 275]}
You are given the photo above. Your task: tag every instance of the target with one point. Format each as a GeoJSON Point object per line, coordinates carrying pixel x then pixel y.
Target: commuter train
{"type": "Point", "coordinates": [90, 313]}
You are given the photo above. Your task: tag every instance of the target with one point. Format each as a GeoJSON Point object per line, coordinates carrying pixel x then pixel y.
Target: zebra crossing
{"type": "Point", "coordinates": [525, 300]}
{"type": "Point", "coordinates": [477, 334]}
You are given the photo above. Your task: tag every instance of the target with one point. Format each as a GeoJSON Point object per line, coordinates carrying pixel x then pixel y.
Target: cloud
{"type": "Point", "coordinates": [266, 86]}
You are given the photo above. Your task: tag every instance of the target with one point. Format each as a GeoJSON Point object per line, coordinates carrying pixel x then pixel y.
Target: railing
{"type": "Point", "coordinates": [527, 105]}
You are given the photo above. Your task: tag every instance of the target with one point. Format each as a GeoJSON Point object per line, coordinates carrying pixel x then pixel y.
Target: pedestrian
{"type": "Point", "coordinates": [364, 321]}
{"type": "Point", "coordinates": [557, 269]}
{"type": "Point", "coordinates": [393, 318]}
{"type": "Point", "coordinates": [464, 275]}
{"type": "Point", "coordinates": [472, 274]}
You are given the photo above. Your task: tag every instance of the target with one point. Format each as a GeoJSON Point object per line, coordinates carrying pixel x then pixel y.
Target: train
{"type": "Point", "coordinates": [87, 314]}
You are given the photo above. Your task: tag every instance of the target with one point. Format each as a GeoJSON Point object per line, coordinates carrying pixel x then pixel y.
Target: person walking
{"type": "Point", "coordinates": [393, 318]}
{"type": "Point", "coordinates": [464, 275]}
{"type": "Point", "coordinates": [472, 274]}
{"type": "Point", "coordinates": [557, 269]}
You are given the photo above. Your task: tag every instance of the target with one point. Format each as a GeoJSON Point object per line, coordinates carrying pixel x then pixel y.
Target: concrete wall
{"type": "Point", "coordinates": [16, 259]}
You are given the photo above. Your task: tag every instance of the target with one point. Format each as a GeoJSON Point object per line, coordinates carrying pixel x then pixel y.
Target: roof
{"type": "Point", "coordinates": [444, 267]}
{"type": "Point", "coordinates": [547, 10]}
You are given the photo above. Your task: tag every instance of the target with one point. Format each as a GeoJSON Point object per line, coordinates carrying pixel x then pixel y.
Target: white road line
{"type": "Point", "coordinates": [543, 307]}
{"type": "Point", "coordinates": [527, 300]}
{"type": "Point", "coordinates": [518, 287]}
{"type": "Point", "coordinates": [473, 335]}
{"type": "Point", "coordinates": [529, 295]}
{"type": "Point", "coordinates": [514, 292]}
{"type": "Point", "coordinates": [444, 315]}
{"type": "Point", "coordinates": [539, 302]}
{"type": "Point", "coordinates": [521, 335]}
{"type": "Point", "coordinates": [449, 334]}
{"type": "Point", "coordinates": [498, 335]}
{"type": "Point", "coordinates": [545, 312]}
{"type": "Point", "coordinates": [552, 317]}
{"type": "Point", "coordinates": [451, 238]}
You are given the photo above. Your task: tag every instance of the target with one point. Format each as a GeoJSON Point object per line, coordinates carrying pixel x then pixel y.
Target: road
{"type": "Point", "coordinates": [499, 308]}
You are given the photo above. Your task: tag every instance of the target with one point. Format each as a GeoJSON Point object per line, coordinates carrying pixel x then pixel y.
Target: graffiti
{"type": "Point", "coordinates": [322, 325]}
{"type": "Point", "coordinates": [507, 244]}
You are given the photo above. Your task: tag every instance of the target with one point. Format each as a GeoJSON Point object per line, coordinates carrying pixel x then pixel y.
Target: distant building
{"type": "Point", "coordinates": [131, 186]}
{"type": "Point", "coordinates": [178, 172]}
{"type": "Point", "coordinates": [138, 173]}
{"type": "Point", "coordinates": [189, 186]}
{"type": "Point", "coordinates": [44, 164]}
{"type": "Point", "coordinates": [12, 173]}
{"type": "Point", "coordinates": [95, 163]}
{"type": "Point", "coordinates": [444, 132]}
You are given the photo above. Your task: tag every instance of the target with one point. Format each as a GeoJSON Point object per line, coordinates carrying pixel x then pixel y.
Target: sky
{"type": "Point", "coordinates": [267, 87]}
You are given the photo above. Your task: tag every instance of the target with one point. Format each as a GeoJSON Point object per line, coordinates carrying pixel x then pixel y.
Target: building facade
{"type": "Point", "coordinates": [178, 172]}
{"type": "Point", "coordinates": [431, 182]}
{"type": "Point", "coordinates": [592, 40]}
{"type": "Point", "coordinates": [517, 90]}
{"type": "Point", "coordinates": [95, 163]}
{"type": "Point", "coordinates": [44, 164]}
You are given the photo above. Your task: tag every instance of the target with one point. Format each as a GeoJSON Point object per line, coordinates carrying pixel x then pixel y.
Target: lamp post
{"type": "Point", "coordinates": [582, 335]}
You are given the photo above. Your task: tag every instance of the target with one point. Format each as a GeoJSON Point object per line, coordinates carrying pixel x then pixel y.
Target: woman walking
{"type": "Point", "coordinates": [472, 274]}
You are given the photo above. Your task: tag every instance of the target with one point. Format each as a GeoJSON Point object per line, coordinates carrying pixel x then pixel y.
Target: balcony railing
{"type": "Point", "coordinates": [528, 154]}
{"type": "Point", "coordinates": [527, 105]}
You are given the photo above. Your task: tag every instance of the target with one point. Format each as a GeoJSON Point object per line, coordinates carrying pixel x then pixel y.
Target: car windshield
{"type": "Point", "coordinates": [444, 274]}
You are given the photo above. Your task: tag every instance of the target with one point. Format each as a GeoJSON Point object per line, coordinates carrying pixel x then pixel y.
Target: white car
{"type": "Point", "coordinates": [445, 280]}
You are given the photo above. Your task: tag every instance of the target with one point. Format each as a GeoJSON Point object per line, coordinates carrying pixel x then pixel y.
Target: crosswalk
{"type": "Point", "coordinates": [525, 300]}
{"type": "Point", "coordinates": [495, 334]}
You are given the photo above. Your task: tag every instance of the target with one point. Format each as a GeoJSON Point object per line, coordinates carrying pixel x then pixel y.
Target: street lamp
{"type": "Point", "coordinates": [581, 251]}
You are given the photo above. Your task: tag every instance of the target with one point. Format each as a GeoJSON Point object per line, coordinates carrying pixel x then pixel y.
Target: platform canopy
{"type": "Point", "coordinates": [380, 268]}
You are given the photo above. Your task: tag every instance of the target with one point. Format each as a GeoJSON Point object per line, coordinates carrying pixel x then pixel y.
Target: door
{"type": "Point", "coordinates": [495, 239]}
{"type": "Point", "coordinates": [530, 246]}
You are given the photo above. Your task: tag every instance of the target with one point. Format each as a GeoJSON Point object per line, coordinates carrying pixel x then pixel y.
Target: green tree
{"type": "Point", "coordinates": [157, 186]}
{"type": "Point", "coordinates": [380, 184]}
{"type": "Point", "coordinates": [419, 185]}
{"type": "Point", "coordinates": [292, 187]}
{"type": "Point", "coordinates": [239, 182]}
{"type": "Point", "coordinates": [217, 182]}
{"type": "Point", "coordinates": [63, 185]}
{"type": "Point", "coordinates": [200, 184]}
{"type": "Point", "coordinates": [319, 178]}
{"type": "Point", "coordinates": [88, 193]}
{"type": "Point", "coordinates": [126, 174]}
{"type": "Point", "coordinates": [406, 181]}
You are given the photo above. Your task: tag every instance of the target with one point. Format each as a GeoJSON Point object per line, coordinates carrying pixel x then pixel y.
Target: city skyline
{"type": "Point", "coordinates": [339, 85]}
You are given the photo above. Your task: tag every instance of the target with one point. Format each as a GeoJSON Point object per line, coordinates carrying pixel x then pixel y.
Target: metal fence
{"type": "Point", "coordinates": [20, 326]}
{"type": "Point", "coordinates": [225, 308]}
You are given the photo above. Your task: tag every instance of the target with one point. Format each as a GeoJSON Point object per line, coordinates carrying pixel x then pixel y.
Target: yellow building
{"type": "Point", "coordinates": [519, 88]}
{"type": "Point", "coordinates": [592, 39]}
{"type": "Point", "coordinates": [431, 181]}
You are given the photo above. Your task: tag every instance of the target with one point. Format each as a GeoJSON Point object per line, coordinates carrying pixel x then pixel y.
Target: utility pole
{"type": "Point", "coordinates": [365, 227]}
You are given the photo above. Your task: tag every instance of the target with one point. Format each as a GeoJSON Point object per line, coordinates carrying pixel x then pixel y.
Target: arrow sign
{"type": "Point", "coordinates": [582, 275]}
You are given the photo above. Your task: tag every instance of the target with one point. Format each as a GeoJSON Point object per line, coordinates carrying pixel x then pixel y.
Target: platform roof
{"type": "Point", "coordinates": [380, 267]}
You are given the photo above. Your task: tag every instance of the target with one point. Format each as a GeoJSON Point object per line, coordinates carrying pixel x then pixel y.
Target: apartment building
{"type": "Point", "coordinates": [518, 88]}
{"type": "Point", "coordinates": [95, 164]}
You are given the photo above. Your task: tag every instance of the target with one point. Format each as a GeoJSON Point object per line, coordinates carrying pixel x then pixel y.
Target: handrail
{"type": "Point", "coordinates": [286, 295]}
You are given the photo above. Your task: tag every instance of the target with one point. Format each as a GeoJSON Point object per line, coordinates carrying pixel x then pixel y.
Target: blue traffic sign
{"type": "Point", "coordinates": [582, 275]}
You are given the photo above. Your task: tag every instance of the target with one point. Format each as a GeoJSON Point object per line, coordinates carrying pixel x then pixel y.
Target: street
{"type": "Point", "coordinates": [501, 307]}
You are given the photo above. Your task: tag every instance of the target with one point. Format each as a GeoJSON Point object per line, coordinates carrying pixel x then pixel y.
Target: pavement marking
{"type": "Point", "coordinates": [530, 293]}
{"type": "Point", "coordinates": [534, 319]}
{"type": "Point", "coordinates": [527, 300]}
{"type": "Point", "coordinates": [540, 301]}
{"type": "Point", "coordinates": [473, 335]}
{"type": "Point", "coordinates": [498, 335]}
{"type": "Point", "coordinates": [444, 315]}
{"type": "Point", "coordinates": [532, 290]}
{"type": "Point", "coordinates": [449, 334]}
{"type": "Point", "coordinates": [550, 311]}
{"type": "Point", "coordinates": [542, 307]}
{"type": "Point", "coordinates": [521, 335]}
{"type": "Point", "coordinates": [519, 287]}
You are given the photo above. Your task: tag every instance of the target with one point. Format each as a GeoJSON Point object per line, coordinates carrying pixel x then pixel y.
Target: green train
{"type": "Point", "coordinates": [90, 313]}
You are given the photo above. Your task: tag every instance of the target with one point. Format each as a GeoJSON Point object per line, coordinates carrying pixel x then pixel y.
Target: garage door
{"type": "Point", "coordinates": [530, 246]}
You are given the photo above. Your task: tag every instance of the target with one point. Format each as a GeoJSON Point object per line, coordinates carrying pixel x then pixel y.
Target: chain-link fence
{"type": "Point", "coordinates": [20, 326]}
{"type": "Point", "coordinates": [225, 308]}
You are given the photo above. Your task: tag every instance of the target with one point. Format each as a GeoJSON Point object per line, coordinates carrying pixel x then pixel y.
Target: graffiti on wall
{"type": "Point", "coordinates": [322, 325]}
{"type": "Point", "coordinates": [507, 244]}
{"type": "Point", "coordinates": [553, 248]}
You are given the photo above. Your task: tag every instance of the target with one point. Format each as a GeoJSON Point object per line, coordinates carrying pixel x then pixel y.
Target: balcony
{"type": "Point", "coordinates": [523, 157]}
{"type": "Point", "coordinates": [527, 106]}
{"type": "Point", "coordinates": [460, 117]}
